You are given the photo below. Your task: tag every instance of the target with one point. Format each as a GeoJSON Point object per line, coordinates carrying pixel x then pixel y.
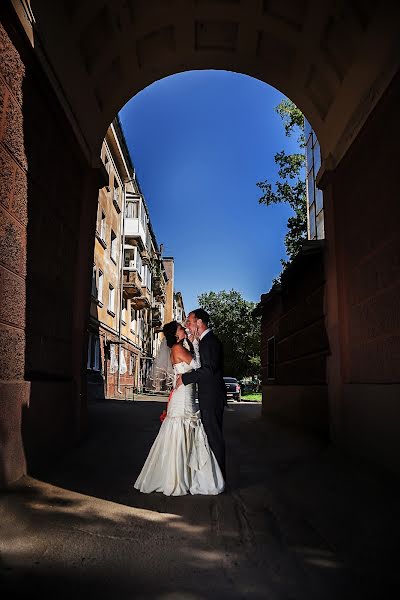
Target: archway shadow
{"type": "Point", "coordinates": [105, 465]}
{"type": "Point", "coordinates": [292, 497]}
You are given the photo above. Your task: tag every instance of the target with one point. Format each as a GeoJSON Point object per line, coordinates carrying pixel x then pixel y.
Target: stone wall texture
{"type": "Point", "coordinates": [14, 391]}
{"type": "Point", "coordinates": [367, 216]}
{"type": "Point", "coordinates": [47, 212]}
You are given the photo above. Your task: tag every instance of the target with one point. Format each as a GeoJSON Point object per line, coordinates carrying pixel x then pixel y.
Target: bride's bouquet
{"type": "Point", "coordinates": [164, 412]}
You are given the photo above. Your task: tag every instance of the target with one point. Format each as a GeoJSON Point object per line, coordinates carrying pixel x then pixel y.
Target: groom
{"type": "Point", "coordinates": [209, 377]}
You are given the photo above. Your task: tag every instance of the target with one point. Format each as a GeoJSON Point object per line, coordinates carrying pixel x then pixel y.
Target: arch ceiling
{"type": "Point", "coordinates": [333, 58]}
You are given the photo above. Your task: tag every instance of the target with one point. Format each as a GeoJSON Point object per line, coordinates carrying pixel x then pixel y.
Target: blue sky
{"type": "Point", "coordinates": [200, 141]}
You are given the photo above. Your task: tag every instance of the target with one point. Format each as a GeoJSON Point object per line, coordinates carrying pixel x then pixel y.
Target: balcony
{"type": "Point", "coordinates": [145, 254]}
{"type": "Point", "coordinates": [132, 284]}
{"type": "Point", "coordinates": [146, 292]}
{"type": "Point", "coordinates": [159, 288]}
{"type": "Point", "coordinates": [140, 302]}
{"type": "Point", "coordinates": [156, 319]}
{"type": "Point", "coordinates": [134, 229]}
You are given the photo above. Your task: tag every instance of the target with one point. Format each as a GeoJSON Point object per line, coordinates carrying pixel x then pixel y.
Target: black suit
{"type": "Point", "coordinates": [212, 393]}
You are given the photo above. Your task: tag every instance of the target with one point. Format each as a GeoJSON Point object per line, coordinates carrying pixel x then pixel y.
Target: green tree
{"type": "Point", "coordinates": [237, 328]}
{"type": "Point", "coordinates": [290, 187]}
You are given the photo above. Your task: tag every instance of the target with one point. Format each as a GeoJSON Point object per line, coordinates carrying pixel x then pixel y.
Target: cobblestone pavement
{"type": "Point", "coordinates": [299, 520]}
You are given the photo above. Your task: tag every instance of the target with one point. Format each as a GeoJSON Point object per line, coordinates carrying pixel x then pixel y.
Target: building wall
{"type": "Point", "coordinates": [135, 337]}
{"type": "Point", "coordinates": [294, 345]}
{"type": "Point", "coordinates": [14, 389]}
{"type": "Point", "coordinates": [48, 198]}
{"type": "Point", "coordinates": [103, 354]}
{"type": "Point", "coordinates": [179, 308]}
{"type": "Point", "coordinates": [363, 217]}
{"type": "Point", "coordinates": [169, 289]}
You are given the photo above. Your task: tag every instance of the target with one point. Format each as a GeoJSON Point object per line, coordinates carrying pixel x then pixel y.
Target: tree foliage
{"type": "Point", "coordinates": [290, 187]}
{"type": "Point", "coordinates": [239, 331]}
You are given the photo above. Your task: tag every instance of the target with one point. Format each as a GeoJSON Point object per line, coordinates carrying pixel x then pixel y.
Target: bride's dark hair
{"type": "Point", "coordinates": [169, 330]}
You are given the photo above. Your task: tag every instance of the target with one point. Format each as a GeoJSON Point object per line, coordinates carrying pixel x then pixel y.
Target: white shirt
{"type": "Point", "coordinates": [204, 333]}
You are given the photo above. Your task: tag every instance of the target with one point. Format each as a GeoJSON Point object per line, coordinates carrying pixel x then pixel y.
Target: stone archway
{"type": "Point", "coordinates": [333, 60]}
{"type": "Point", "coordinates": [69, 67]}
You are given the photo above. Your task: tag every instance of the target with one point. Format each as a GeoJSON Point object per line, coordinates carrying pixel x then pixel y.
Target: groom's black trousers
{"type": "Point", "coordinates": [212, 422]}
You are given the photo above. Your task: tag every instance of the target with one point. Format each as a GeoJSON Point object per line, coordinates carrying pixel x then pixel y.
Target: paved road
{"type": "Point", "coordinates": [299, 521]}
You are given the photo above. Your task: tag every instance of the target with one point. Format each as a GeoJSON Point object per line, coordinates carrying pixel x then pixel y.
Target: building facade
{"type": "Point", "coordinates": [169, 266]}
{"type": "Point", "coordinates": [128, 281]}
{"type": "Point", "coordinates": [294, 340]}
{"type": "Point", "coordinates": [179, 308]}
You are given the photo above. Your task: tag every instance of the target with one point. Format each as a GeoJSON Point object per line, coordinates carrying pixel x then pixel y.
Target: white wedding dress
{"type": "Point", "coordinates": [180, 461]}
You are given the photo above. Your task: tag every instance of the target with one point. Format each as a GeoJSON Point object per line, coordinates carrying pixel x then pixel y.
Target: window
{"type": "Point", "coordinates": [132, 209]}
{"type": "Point", "coordinates": [141, 327]}
{"type": "Point", "coordinates": [94, 282]}
{"type": "Point", "coordinates": [139, 264]}
{"type": "Point", "coordinates": [111, 299]}
{"type": "Point", "coordinates": [312, 221]}
{"type": "Point", "coordinates": [317, 157]}
{"type": "Point", "coordinates": [129, 258]}
{"type": "Point", "coordinates": [315, 200]}
{"type": "Point", "coordinates": [271, 358]}
{"type": "Point", "coordinates": [116, 195]}
{"type": "Point", "coordinates": [122, 362]}
{"type": "Point", "coordinates": [103, 227]}
{"type": "Point", "coordinates": [123, 315]}
{"type": "Point", "coordinates": [100, 288]}
{"type": "Point", "coordinates": [319, 202]}
{"type": "Point", "coordinates": [320, 226]}
{"type": "Point", "coordinates": [134, 317]}
{"type": "Point", "coordinates": [113, 358]}
{"type": "Point", "coordinates": [307, 130]}
{"type": "Point", "coordinates": [132, 364]}
{"type": "Point", "coordinates": [93, 360]}
{"type": "Point", "coordinates": [146, 277]}
{"type": "Point", "coordinates": [309, 153]}
{"type": "Point", "coordinates": [113, 250]}
{"type": "Point", "coordinates": [310, 186]}
{"type": "Point", "coordinates": [143, 215]}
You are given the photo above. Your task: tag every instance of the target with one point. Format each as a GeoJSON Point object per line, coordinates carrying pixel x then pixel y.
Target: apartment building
{"type": "Point", "coordinates": [179, 308]}
{"type": "Point", "coordinates": [169, 266]}
{"type": "Point", "coordinates": [128, 281]}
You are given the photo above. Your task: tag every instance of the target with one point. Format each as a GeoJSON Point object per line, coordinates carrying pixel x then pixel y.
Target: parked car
{"type": "Point", "coordinates": [232, 388]}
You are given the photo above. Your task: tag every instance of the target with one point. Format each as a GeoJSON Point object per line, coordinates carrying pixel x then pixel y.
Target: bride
{"type": "Point", "coordinates": [180, 460]}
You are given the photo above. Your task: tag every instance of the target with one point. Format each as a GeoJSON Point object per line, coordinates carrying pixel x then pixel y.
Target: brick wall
{"type": "Point", "coordinates": [367, 217]}
{"type": "Point", "coordinates": [294, 315]}
{"type": "Point", "coordinates": [14, 391]}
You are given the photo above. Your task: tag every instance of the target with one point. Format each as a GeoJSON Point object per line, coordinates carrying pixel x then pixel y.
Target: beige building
{"type": "Point", "coordinates": [128, 281]}
{"type": "Point", "coordinates": [179, 308]}
{"type": "Point", "coordinates": [169, 266]}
